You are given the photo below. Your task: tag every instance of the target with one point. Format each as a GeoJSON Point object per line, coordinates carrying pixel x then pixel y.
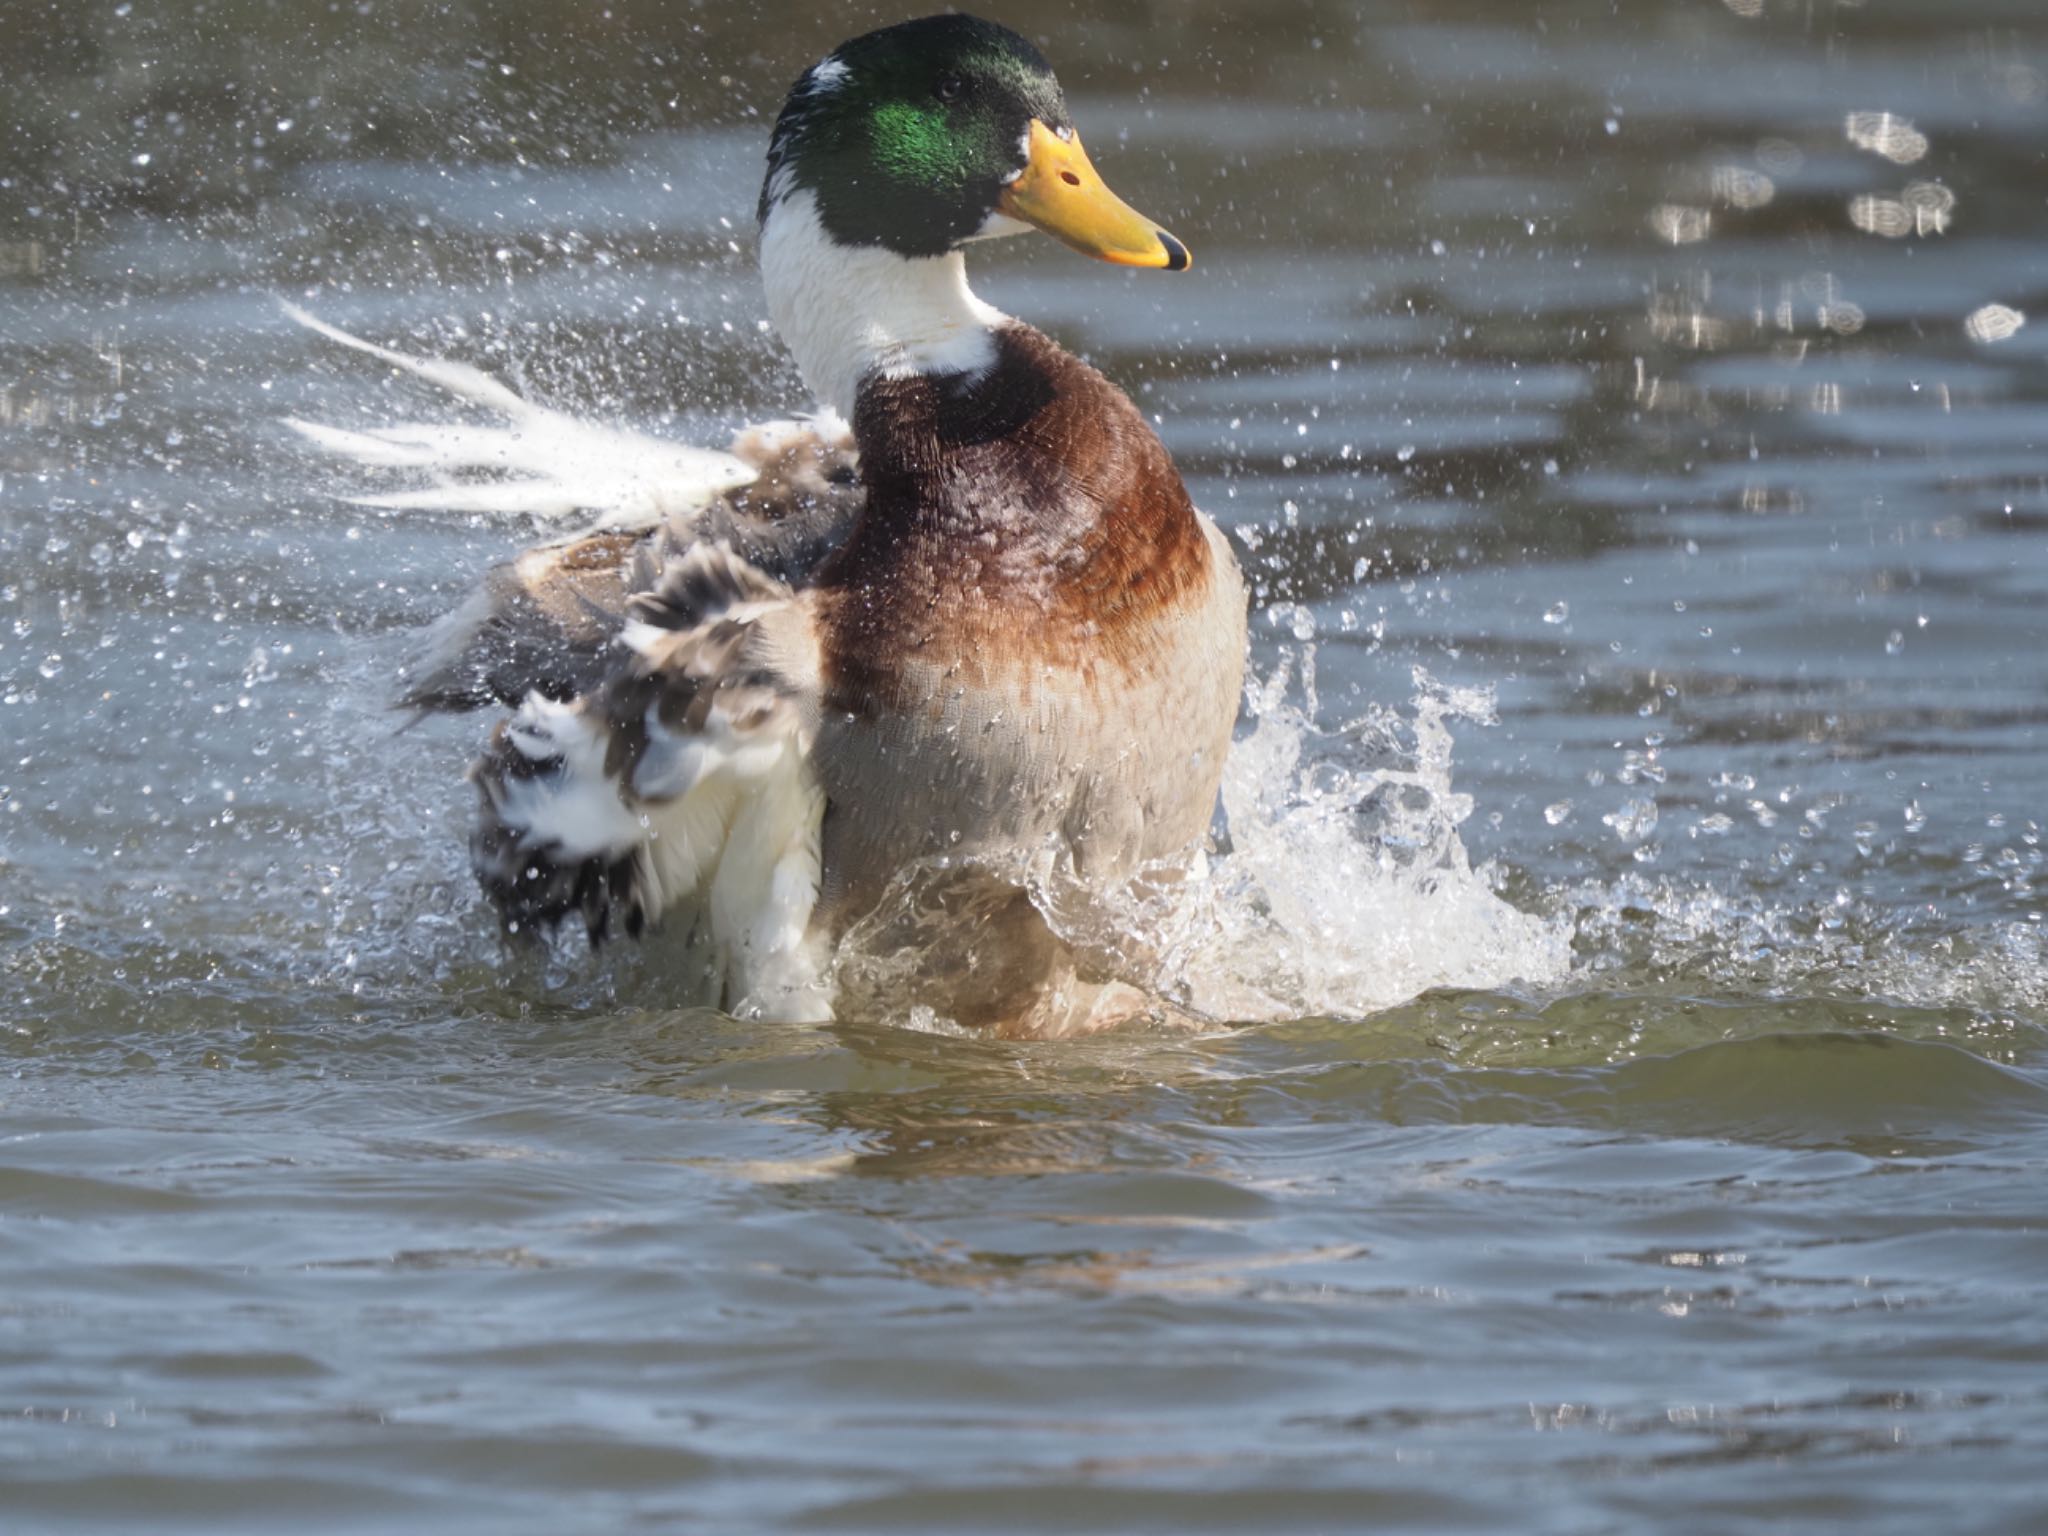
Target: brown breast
{"type": "Point", "coordinates": [1016, 519]}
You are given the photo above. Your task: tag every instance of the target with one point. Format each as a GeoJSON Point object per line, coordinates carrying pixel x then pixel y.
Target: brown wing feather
{"type": "Point", "coordinates": [544, 622]}
{"type": "Point", "coordinates": [539, 623]}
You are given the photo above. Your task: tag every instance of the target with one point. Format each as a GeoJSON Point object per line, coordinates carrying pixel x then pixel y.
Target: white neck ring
{"type": "Point", "coordinates": [851, 312]}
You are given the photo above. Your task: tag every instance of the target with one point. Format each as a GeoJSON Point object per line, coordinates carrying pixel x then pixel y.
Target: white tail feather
{"type": "Point", "coordinates": [544, 465]}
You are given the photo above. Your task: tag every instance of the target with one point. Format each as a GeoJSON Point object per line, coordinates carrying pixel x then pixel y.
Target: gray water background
{"type": "Point", "coordinates": [1591, 354]}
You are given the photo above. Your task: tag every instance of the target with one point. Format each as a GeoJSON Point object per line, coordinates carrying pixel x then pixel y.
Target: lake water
{"type": "Point", "coordinates": [1629, 1105]}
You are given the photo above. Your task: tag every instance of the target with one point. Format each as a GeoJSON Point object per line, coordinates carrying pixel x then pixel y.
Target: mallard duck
{"type": "Point", "coordinates": [879, 670]}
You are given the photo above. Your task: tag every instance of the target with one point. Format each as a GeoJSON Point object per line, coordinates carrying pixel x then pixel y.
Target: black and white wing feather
{"type": "Point", "coordinates": [662, 666]}
{"type": "Point", "coordinates": [683, 779]}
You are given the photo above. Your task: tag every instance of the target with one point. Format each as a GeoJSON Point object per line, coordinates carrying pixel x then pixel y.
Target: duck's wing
{"type": "Point", "coordinates": [544, 621]}
{"type": "Point", "coordinates": [683, 778]}
{"type": "Point", "coordinates": [798, 505]}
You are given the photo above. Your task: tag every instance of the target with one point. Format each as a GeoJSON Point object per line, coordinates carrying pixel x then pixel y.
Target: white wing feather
{"type": "Point", "coordinates": [542, 464]}
{"type": "Point", "coordinates": [722, 816]}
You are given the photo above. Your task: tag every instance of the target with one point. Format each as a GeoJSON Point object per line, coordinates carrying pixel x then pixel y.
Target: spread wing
{"type": "Point", "coordinates": [663, 665]}
{"type": "Point", "coordinates": [682, 778]}
{"type": "Point", "coordinates": [781, 498]}
{"type": "Point", "coordinates": [543, 622]}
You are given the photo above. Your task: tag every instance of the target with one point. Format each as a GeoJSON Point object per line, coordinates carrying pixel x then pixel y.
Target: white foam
{"type": "Point", "coordinates": [1345, 888]}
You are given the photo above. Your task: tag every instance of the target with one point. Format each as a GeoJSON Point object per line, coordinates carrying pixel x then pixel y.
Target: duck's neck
{"type": "Point", "coordinates": [849, 313]}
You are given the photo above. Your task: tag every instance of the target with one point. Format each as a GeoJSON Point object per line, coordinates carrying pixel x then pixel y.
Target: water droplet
{"type": "Point", "coordinates": [1883, 134]}
{"type": "Point", "coordinates": [1994, 322]}
{"type": "Point", "coordinates": [1634, 821]}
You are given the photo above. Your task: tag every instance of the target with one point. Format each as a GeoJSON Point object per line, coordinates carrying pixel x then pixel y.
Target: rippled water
{"type": "Point", "coordinates": [1635, 420]}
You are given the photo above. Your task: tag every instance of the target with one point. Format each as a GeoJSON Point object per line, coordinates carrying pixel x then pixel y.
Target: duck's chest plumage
{"type": "Point", "coordinates": [1030, 640]}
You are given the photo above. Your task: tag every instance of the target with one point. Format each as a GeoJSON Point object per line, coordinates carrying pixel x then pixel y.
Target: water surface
{"type": "Point", "coordinates": [1629, 1103]}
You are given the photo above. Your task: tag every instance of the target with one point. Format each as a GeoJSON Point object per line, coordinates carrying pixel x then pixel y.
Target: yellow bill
{"type": "Point", "coordinates": [1060, 193]}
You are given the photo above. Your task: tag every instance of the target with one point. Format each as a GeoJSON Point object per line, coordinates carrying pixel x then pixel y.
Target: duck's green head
{"type": "Point", "coordinates": [921, 137]}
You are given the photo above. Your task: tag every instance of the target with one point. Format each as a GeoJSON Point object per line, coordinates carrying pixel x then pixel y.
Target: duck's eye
{"type": "Point", "coordinates": [949, 88]}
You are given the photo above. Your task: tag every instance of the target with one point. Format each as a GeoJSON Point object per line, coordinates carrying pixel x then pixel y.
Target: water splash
{"type": "Point", "coordinates": [1679, 933]}
{"type": "Point", "coordinates": [1343, 886]}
